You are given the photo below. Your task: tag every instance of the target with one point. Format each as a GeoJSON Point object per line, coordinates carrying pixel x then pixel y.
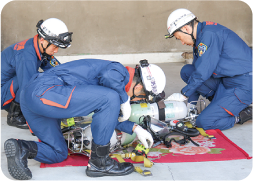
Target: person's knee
{"type": "Point", "coordinates": [186, 72]}
{"type": "Point", "coordinates": [201, 122]}
{"type": "Point", "coordinates": [61, 154]}
{"type": "Point", "coordinates": [112, 99]}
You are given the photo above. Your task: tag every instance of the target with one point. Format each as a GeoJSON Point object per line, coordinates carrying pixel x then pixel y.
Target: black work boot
{"type": "Point", "coordinates": [17, 153]}
{"type": "Point", "coordinates": [15, 116]}
{"type": "Point", "coordinates": [101, 164]}
{"type": "Point", "coordinates": [245, 115]}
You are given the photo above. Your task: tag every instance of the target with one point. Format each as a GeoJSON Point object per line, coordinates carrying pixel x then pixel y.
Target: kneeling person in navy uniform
{"type": "Point", "coordinates": [221, 70]}
{"type": "Point", "coordinates": [20, 61]}
{"type": "Point", "coordinates": [79, 88]}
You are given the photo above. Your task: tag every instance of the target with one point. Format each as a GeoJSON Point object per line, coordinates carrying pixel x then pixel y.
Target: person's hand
{"type": "Point", "coordinates": [176, 97]}
{"type": "Point", "coordinates": [144, 136]}
{"type": "Point", "coordinates": [125, 110]}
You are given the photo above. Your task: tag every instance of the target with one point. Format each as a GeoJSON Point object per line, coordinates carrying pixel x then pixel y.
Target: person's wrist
{"type": "Point", "coordinates": [183, 94]}
{"type": "Point", "coordinates": [135, 125]}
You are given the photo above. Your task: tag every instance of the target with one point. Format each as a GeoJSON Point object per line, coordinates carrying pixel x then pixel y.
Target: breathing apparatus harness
{"type": "Point", "coordinates": [137, 74]}
{"type": "Point", "coordinates": [179, 129]}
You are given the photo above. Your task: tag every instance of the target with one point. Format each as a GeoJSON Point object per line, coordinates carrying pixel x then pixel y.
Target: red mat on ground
{"type": "Point", "coordinates": [219, 149]}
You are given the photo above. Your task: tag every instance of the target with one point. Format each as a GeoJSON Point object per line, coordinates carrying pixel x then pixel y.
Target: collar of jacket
{"type": "Point", "coordinates": [199, 30]}
{"type": "Point", "coordinates": [131, 73]}
{"type": "Point", "coordinates": [36, 46]}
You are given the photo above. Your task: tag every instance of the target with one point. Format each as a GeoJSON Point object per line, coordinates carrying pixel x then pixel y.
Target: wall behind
{"type": "Point", "coordinates": [119, 27]}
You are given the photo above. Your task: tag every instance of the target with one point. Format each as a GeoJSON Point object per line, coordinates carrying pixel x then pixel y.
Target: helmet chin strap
{"type": "Point", "coordinates": [193, 39]}
{"type": "Point", "coordinates": [44, 49]}
{"type": "Point", "coordinates": [139, 96]}
{"type": "Point", "coordinates": [44, 54]}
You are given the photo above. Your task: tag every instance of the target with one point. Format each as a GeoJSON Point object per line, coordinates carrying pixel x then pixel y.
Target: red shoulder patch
{"type": "Point", "coordinates": [210, 23]}
{"type": "Point", "coordinates": [20, 45]}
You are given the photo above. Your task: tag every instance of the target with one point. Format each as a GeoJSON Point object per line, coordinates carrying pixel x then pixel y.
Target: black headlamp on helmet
{"type": "Point", "coordinates": [46, 31]}
{"type": "Point", "coordinates": [62, 40]}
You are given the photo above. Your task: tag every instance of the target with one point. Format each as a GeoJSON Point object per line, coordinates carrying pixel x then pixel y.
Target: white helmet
{"type": "Point", "coordinates": [153, 79]}
{"type": "Point", "coordinates": [55, 32]}
{"type": "Point", "coordinates": [177, 20]}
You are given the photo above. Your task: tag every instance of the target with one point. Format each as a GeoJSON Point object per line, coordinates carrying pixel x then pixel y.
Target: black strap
{"type": "Point", "coordinates": [161, 110]}
{"type": "Point", "coordinates": [189, 138]}
{"type": "Point", "coordinates": [138, 81]}
{"type": "Point", "coordinates": [162, 114]}
{"type": "Point", "coordinates": [193, 39]}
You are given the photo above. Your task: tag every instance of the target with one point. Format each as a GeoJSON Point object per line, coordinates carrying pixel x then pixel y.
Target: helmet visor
{"type": "Point", "coordinates": [62, 40]}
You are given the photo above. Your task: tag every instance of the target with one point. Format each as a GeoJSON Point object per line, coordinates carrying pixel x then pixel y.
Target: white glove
{"type": "Point", "coordinates": [125, 110]}
{"type": "Point", "coordinates": [144, 136]}
{"type": "Point", "coordinates": [176, 97]}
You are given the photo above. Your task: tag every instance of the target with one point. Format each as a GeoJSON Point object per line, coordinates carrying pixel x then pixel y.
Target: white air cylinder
{"type": "Point", "coordinates": [173, 110]}
{"type": "Point", "coordinates": [125, 139]}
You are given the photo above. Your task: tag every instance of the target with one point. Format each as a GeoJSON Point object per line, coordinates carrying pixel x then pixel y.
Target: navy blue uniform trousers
{"type": "Point", "coordinates": [226, 104]}
{"type": "Point", "coordinates": [44, 120]}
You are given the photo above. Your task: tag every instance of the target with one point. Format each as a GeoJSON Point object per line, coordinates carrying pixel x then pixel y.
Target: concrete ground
{"type": "Point", "coordinates": [212, 170]}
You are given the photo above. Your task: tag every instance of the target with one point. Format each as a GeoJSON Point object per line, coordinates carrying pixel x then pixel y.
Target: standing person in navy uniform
{"type": "Point", "coordinates": [221, 70]}
{"type": "Point", "coordinates": [20, 61]}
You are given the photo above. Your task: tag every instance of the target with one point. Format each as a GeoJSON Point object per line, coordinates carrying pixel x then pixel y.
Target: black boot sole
{"type": "Point", "coordinates": [15, 168]}
{"type": "Point", "coordinates": [23, 126]}
{"type": "Point", "coordinates": [91, 173]}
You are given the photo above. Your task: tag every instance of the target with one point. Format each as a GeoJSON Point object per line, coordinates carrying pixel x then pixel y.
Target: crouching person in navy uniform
{"type": "Point", "coordinates": [221, 70]}
{"type": "Point", "coordinates": [78, 88]}
{"type": "Point", "coordinates": [20, 61]}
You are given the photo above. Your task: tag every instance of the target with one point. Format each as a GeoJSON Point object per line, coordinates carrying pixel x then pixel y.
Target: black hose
{"type": "Point", "coordinates": [66, 129]}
